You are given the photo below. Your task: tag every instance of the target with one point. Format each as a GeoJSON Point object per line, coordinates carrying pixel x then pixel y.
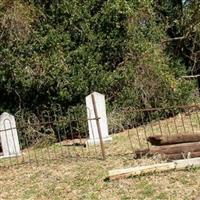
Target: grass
{"type": "Point", "coordinates": [85, 178]}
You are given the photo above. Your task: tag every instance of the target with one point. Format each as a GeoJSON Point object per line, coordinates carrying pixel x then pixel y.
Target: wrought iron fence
{"type": "Point", "coordinates": [51, 136]}
{"type": "Point", "coordinates": [62, 135]}
{"type": "Point", "coordinates": [134, 126]}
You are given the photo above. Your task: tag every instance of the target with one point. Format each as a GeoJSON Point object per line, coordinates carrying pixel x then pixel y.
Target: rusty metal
{"type": "Point", "coordinates": [71, 132]}
{"type": "Point", "coordinates": [164, 108]}
{"type": "Point", "coordinates": [98, 127]}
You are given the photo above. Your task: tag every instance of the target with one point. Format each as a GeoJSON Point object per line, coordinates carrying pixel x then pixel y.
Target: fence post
{"type": "Point", "coordinates": [98, 127]}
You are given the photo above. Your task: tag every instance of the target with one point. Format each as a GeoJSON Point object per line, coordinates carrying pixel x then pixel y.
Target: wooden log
{"type": "Point", "coordinates": [142, 152]}
{"type": "Point", "coordinates": [170, 156]}
{"type": "Point", "coordinates": [176, 148]}
{"type": "Point", "coordinates": [181, 155]}
{"type": "Point", "coordinates": [169, 149]}
{"type": "Point", "coordinates": [141, 170]}
{"type": "Point", "coordinates": [173, 139]}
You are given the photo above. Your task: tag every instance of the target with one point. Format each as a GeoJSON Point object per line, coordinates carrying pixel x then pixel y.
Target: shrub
{"type": "Point", "coordinates": [57, 53]}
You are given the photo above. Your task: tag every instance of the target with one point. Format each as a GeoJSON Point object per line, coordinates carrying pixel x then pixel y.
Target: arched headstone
{"type": "Point", "coordinates": [8, 136]}
{"type": "Point", "coordinates": [99, 100]}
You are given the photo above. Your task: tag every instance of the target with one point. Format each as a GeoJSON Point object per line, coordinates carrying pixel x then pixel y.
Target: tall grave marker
{"type": "Point", "coordinates": [97, 119]}
{"type": "Point", "coordinates": [8, 136]}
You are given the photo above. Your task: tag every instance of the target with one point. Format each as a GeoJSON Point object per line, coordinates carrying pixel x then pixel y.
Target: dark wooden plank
{"type": "Point", "coordinates": [181, 155]}
{"type": "Point", "coordinates": [173, 139]}
{"type": "Point", "coordinates": [183, 148]}
{"type": "Point", "coordinates": [176, 148]}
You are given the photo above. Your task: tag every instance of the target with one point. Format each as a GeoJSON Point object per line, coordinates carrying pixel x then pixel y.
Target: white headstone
{"type": "Point", "coordinates": [101, 113]}
{"type": "Point", "coordinates": [8, 136]}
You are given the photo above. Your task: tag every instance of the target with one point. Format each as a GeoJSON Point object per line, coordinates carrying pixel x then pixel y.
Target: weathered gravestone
{"type": "Point", "coordinates": [8, 136]}
{"type": "Point", "coordinates": [97, 119]}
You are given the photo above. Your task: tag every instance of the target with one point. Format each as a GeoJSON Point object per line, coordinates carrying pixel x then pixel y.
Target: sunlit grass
{"type": "Point", "coordinates": [64, 171]}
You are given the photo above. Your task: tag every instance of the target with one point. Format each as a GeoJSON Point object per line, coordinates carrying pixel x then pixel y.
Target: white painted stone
{"type": "Point", "coordinates": [8, 136]}
{"type": "Point", "coordinates": [92, 124]}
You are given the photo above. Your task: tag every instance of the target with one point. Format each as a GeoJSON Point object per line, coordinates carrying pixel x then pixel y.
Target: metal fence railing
{"type": "Point", "coordinates": [49, 136]}
{"type": "Point", "coordinates": [136, 125]}
{"type": "Point", "coordinates": [59, 135]}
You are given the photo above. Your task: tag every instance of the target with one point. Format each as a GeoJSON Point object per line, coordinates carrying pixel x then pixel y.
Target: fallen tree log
{"type": "Point", "coordinates": [180, 155]}
{"type": "Point", "coordinates": [169, 149]}
{"type": "Point", "coordinates": [176, 148]}
{"type": "Point", "coordinates": [173, 139]}
{"type": "Point", "coordinates": [141, 170]}
{"type": "Point", "coordinates": [142, 152]}
{"type": "Point", "coordinates": [165, 156]}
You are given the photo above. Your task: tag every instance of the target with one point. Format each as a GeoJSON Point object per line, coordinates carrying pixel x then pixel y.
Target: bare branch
{"type": "Point", "coordinates": [174, 39]}
{"type": "Point", "coordinates": [190, 76]}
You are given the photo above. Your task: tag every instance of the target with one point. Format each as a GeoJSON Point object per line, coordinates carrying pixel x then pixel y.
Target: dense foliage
{"type": "Point", "coordinates": [57, 52]}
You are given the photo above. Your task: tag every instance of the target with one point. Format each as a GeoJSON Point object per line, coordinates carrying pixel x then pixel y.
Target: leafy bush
{"type": "Point", "coordinates": [57, 52]}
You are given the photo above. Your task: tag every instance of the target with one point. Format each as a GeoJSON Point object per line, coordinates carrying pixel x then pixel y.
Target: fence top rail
{"type": "Point", "coordinates": [44, 123]}
{"type": "Point", "coordinates": [197, 106]}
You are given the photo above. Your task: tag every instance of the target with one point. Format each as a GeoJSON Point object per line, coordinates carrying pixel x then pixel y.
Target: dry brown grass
{"type": "Point", "coordinates": [85, 178]}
